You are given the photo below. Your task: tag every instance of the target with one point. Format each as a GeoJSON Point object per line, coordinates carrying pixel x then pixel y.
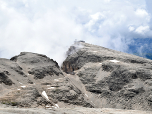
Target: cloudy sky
{"type": "Point", "coordinates": [50, 26]}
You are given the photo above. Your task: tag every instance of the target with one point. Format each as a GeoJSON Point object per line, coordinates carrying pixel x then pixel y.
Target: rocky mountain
{"type": "Point", "coordinates": [113, 79]}
{"type": "Point", "coordinates": [90, 78]}
{"type": "Point", "coordinates": [34, 80]}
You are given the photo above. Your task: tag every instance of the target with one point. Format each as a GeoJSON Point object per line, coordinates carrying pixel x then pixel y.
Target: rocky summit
{"type": "Point", "coordinates": [91, 80]}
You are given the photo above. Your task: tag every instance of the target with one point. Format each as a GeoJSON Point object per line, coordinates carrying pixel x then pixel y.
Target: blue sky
{"type": "Point", "coordinates": [50, 26]}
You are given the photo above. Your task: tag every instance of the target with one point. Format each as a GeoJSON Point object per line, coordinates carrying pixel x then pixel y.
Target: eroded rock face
{"type": "Point", "coordinates": [119, 80]}
{"type": "Point", "coordinates": [93, 77]}
{"type": "Point", "coordinates": [24, 79]}
{"type": "Point", "coordinates": [92, 53]}
{"type": "Point", "coordinates": [37, 65]}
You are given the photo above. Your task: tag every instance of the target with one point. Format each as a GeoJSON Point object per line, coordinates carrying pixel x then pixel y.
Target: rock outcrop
{"type": "Point", "coordinates": [34, 80]}
{"type": "Point", "coordinates": [91, 77]}
{"type": "Point", "coordinates": [114, 79]}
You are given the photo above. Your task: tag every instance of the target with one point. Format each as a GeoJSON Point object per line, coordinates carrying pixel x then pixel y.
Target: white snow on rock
{"type": "Point", "coordinates": [100, 63]}
{"type": "Point", "coordinates": [95, 51]}
{"type": "Point", "coordinates": [114, 61]}
{"type": "Point", "coordinates": [23, 86]}
{"type": "Point", "coordinates": [56, 80]}
{"type": "Point", "coordinates": [47, 106]}
{"type": "Point", "coordinates": [86, 95]}
{"type": "Point", "coordinates": [45, 95]}
{"type": "Point", "coordinates": [20, 82]}
{"type": "Point", "coordinates": [93, 103]}
{"type": "Point", "coordinates": [54, 107]}
{"type": "Point", "coordinates": [51, 88]}
{"type": "Point", "coordinates": [57, 105]}
{"type": "Point", "coordinates": [18, 89]}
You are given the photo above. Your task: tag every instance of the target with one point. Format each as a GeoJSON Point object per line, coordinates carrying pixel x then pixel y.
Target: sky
{"type": "Point", "coordinates": [50, 27]}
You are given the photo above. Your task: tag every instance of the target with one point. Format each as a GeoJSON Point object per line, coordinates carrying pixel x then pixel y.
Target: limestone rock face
{"type": "Point", "coordinates": [86, 53]}
{"type": "Point", "coordinates": [113, 79]}
{"type": "Point", "coordinates": [25, 78]}
{"type": "Point", "coordinates": [90, 78]}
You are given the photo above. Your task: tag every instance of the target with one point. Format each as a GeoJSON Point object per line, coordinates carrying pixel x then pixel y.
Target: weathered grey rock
{"type": "Point", "coordinates": [92, 53]}
{"type": "Point", "coordinates": [93, 77]}
{"type": "Point", "coordinates": [37, 65]}
{"type": "Point", "coordinates": [118, 79]}
{"type": "Point", "coordinates": [27, 75]}
{"type": "Point", "coordinates": [70, 111]}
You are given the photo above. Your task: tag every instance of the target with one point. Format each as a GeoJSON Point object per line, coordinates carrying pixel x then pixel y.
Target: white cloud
{"type": "Point", "coordinates": [141, 12]}
{"type": "Point", "coordinates": [142, 29]}
{"type": "Point", "coordinates": [51, 26]}
{"type": "Point", "coordinates": [131, 28]}
{"type": "Point", "coordinates": [107, 1]}
{"type": "Point", "coordinates": [94, 22]}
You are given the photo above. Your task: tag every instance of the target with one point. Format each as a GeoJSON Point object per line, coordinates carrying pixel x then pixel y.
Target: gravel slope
{"type": "Point", "coordinates": [71, 111]}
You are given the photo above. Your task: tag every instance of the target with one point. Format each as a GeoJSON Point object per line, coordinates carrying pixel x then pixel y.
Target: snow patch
{"type": "Point", "coordinates": [48, 85]}
{"type": "Point", "coordinates": [57, 105]}
{"type": "Point", "coordinates": [56, 80]}
{"type": "Point", "coordinates": [18, 89]}
{"type": "Point", "coordinates": [95, 51]}
{"type": "Point", "coordinates": [51, 88]}
{"type": "Point", "coordinates": [93, 103]}
{"type": "Point", "coordinates": [54, 107]}
{"type": "Point", "coordinates": [100, 63]}
{"type": "Point", "coordinates": [23, 86]}
{"type": "Point", "coordinates": [47, 106]}
{"type": "Point", "coordinates": [86, 95]}
{"type": "Point", "coordinates": [115, 61]}
{"type": "Point", "coordinates": [20, 82]}
{"type": "Point", "coordinates": [45, 95]}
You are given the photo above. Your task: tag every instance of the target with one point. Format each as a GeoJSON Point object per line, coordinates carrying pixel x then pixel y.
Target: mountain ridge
{"type": "Point", "coordinates": [91, 76]}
